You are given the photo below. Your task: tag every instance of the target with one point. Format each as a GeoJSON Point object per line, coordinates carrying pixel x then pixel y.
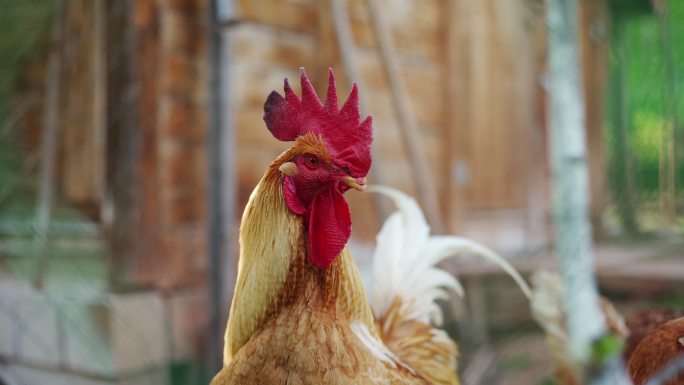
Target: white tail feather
{"type": "Point", "coordinates": [405, 259]}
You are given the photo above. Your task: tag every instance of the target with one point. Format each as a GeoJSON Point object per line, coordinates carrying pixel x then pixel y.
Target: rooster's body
{"type": "Point", "coordinates": [300, 314]}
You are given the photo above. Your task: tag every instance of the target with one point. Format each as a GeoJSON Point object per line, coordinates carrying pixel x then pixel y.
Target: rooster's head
{"type": "Point", "coordinates": [331, 154]}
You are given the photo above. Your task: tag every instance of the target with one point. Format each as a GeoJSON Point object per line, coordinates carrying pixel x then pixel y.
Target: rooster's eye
{"type": "Point", "coordinates": [312, 162]}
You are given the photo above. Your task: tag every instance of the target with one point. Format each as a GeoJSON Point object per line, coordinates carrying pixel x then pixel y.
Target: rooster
{"type": "Point", "coordinates": [300, 314]}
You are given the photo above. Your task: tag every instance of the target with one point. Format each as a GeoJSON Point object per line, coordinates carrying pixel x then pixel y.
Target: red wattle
{"type": "Point", "coordinates": [329, 227]}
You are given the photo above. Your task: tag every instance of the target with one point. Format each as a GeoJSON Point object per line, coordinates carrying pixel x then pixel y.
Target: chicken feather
{"type": "Point", "coordinates": [407, 284]}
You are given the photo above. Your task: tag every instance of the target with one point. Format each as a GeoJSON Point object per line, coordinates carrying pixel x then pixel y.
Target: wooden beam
{"type": "Point", "coordinates": [100, 99]}
{"type": "Point", "coordinates": [407, 121]}
{"type": "Point", "coordinates": [48, 146]}
{"type": "Point", "coordinates": [593, 35]}
{"type": "Point", "coordinates": [222, 248]}
{"type": "Point", "coordinates": [123, 138]}
{"type": "Point", "coordinates": [457, 119]}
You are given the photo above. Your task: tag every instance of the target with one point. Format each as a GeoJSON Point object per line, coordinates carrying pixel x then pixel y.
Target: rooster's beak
{"type": "Point", "coordinates": [357, 184]}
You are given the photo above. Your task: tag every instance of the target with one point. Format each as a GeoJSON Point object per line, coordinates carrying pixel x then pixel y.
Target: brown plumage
{"type": "Point", "coordinates": [642, 323]}
{"type": "Point", "coordinates": [656, 350]}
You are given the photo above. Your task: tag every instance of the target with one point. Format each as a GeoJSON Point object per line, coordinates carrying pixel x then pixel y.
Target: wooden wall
{"type": "Point", "coordinates": [166, 145]}
{"type": "Point", "coordinates": [275, 38]}
{"type": "Point", "coordinates": [497, 126]}
{"type": "Point", "coordinates": [132, 133]}
{"type": "Point", "coordinates": [473, 71]}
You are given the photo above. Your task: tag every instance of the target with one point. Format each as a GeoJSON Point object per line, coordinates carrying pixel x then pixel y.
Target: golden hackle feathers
{"type": "Point", "coordinates": [272, 267]}
{"type": "Point", "coordinates": [270, 237]}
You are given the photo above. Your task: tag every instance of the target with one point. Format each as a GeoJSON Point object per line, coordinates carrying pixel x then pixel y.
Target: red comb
{"type": "Point", "coordinates": [348, 138]}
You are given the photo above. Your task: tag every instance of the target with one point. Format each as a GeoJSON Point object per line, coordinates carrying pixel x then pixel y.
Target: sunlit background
{"type": "Point", "coordinates": [131, 136]}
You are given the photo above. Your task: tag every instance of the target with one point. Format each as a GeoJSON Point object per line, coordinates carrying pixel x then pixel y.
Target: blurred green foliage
{"type": "Point", "coordinates": [605, 348]}
{"type": "Point", "coordinates": [644, 43]}
{"type": "Point", "coordinates": [646, 82]}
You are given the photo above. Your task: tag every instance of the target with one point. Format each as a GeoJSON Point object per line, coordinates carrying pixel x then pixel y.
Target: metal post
{"type": "Point", "coordinates": [221, 189]}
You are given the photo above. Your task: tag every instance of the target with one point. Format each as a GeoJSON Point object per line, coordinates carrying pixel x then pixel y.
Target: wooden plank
{"type": "Point", "coordinates": [327, 49]}
{"type": "Point", "coordinates": [407, 122]}
{"type": "Point", "coordinates": [415, 26]}
{"type": "Point", "coordinates": [147, 66]}
{"type": "Point", "coordinates": [298, 16]}
{"type": "Point", "coordinates": [538, 225]}
{"type": "Point", "coordinates": [122, 233]}
{"type": "Point", "coordinates": [182, 162]}
{"type": "Point", "coordinates": [100, 102]}
{"type": "Point", "coordinates": [458, 44]}
{"type": "Point", "coordinates": [593, 40]}
{"type": "Point", "coordinates": [500, 88]}
{"type": "Point", "coordinates": [261, 46]}
{"type": "Point", "coordinates": [48, 145]}
{"type": "Point", "coordinates": [82, 152]}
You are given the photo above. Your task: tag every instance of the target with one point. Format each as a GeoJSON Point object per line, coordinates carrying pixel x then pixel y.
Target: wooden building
{"type": "Point", "coordinates": [473, 74]}
{"type": "Point", "coordinates": [110, 131]}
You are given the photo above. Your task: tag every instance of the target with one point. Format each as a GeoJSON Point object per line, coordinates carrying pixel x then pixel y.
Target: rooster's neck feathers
{"type": "Point", "coordinates": [274, 269]}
